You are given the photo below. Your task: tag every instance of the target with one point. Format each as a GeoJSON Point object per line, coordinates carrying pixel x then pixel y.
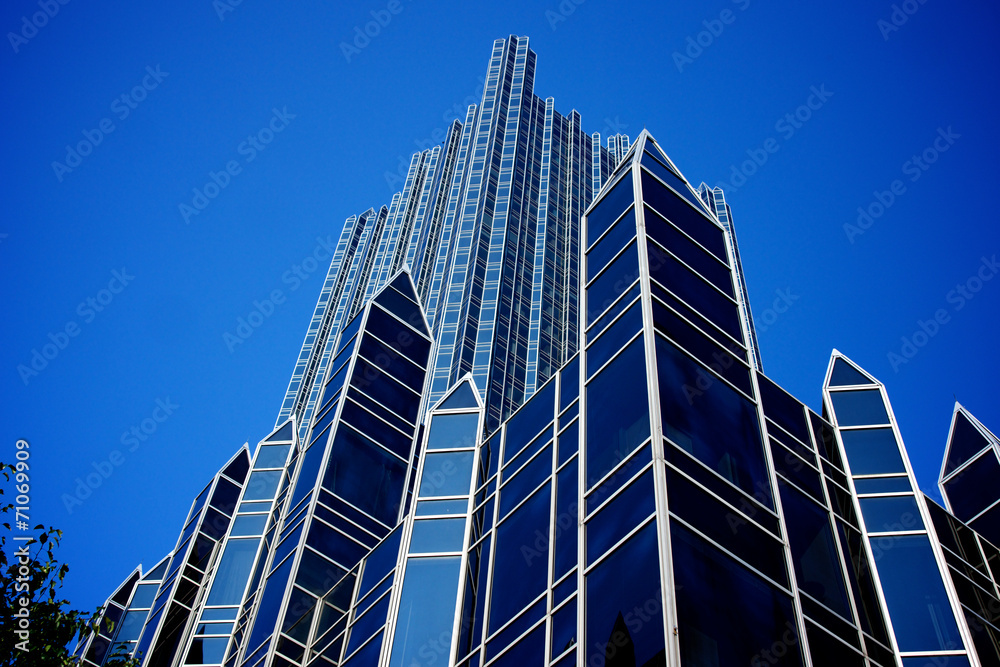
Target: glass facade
{"type": "Point", "coordinates": [528, 425]}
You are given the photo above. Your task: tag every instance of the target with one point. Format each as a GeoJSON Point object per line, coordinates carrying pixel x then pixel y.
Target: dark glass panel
{"type": "Point", "coordinates": [845, 374]}
{"type": "Point", "coordinates": [882, 485]}
{"type": "Point", "coordinates": [347, 333]}
{"type": "Point", "coordinates": [627, 627]}
{"type": "Point", "coordinates": [728, 615]}
{"type": "Point", "coordinates": [712, 304]}
{"type": "Point", "coordinates": [393, 334]}
{"type": "Point", "coordinates": [567, 520]}
{"type": "Point", "coordinates": [284, 433]}
{"type": "Point", "coordinates": [617, 411]}
{"type": "Point", "coordinates": [612, 283]}
{"type": "Point", "coordinates": [270, 601]}
{"type": "Point", "coordinates": [974, 489]}
{"type": "Point", "coordinates": [614, 337]}
{"type": "Point", "coordinates": [828, 652]}
{"type": "Point", "coordinates": [727, 527]}
{"type": "Point", "coordinates": [382, 387]}
{"type": "Point", "coordinates": [527, 651]}
{"type": "Point", "coordinates": [365, 475]}
{"type": "Point", "coordinates": [563, 629]}
{"type": "Point", "coordinates": [526, 480]}
{"type": "Point", "coordinates": [938, 661]}
{"type": "Point", "coordinates": [529, 420]}
{"type": "Point", "coordinates": [826, 441]}
{"type": "Point", "coordinates": [620, 234]}
{"type": "Point", "coordinates": [986, 639]}
{"type": "Point", "coordinates": [366, 625]}
{"type": "Point", "coordinates": [721, 360]}
{"type": "Point", "coordinates": [569, 442]}
{"type": "Point", "coordinates": [892, 513]}
{"type": "Point", "coordinates": [676, 210]}
{"type": "Point", "coordinates": [713, 423]}
{"type": "Point", "coordinates": [447, 474]}
{"type": "Point", "coordinates": [692, 315]}
{"type": "Point", "coordinates": [569, 378]}
{"type": "Point", "coordinates": [859, 408]}
{"type": "Point", "coordinates": [392, 362]}
{"type": "Point", "coordinates": [796, 471]}
{"type": "Point", "coordinates": [872, 451]}
{"type": "Point", "coordinates": [462, 397]}
{"type": "Point", "coordinates": [915, 595]}
{"type": "Point", "coordinates": [335, 544]}
{"type": "Point", "coordinates": [623, 473]}
{"type": "Point", "coordinates": [317, 574]}
{"type": "Point", "coordinates": [614, 312]}
{"type": "Point", "coordinates": [401, 307]}
{"type": "Point", "coordinates": [966, 441]}
{"type": "Point", "coordinates": [784, 410]}
{"type": "Point", "coordinates": [814, 551]}
{"type": "Point", "coordinates": [365, 422]}
{"type": "Point", "coordinates": [608, 210]}
{"type": "Point", "coordinates": [621, 515]}
{"type": "Point", "coordinates": [520, 570]}
{"type": "Point", "coordinates": [380, 561]}
{"type": "Point", "coordinates": [308, 469]}
{"type": "Point", "coordinates": [690, 253]}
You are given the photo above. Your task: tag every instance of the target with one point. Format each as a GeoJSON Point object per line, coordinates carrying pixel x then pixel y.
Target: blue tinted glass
{"type": "Point", "coordinates": [143, 596]}
{"type": "Point", "coordinates": [882, 485]}
{"type": "Point", "coordinates": [131, 626]}
{"type": "Point", "coordinates": [447, 474]}
{"type": "Point", "coordinates": [713, 423]}
{"type": "Point", "coordinates": [385, 389]}
{"type": "Point", "coordinates": [453, 431]}
{"type": "Point", "coordinates": [392, 362]}
{"type": "Point", "coordinates": [365, 626]}
{"type": "Point", "coordinates": [617, 411]}
{"type": "Point", "coordinates": [308, 468]}
{"type": "Point", "coordinates": [814, 551]}
{"type": "Point", "coordinates": [270, 601]}
{"type": "Point", "coordinates": [207, 651]}
{"type": "Point", "coordinates": [380, 561]}
{"type": "Point", "coordinates": [463, 397]}
{"type": "Point", "coordinates": [252, 524]}
{"type": "Point", "coordinates": [620, 516]}
{"type": "Point", "coordinates": [872, 451]}
{"type": "Point", "coordinates": [893, 513]}
{"type": "Point", "coordinates": [966, 441]}
{"type": "Point", "coordinates": [431, 507]}
{"type": "Point", "coordinates": [693, 255]}
{"type": "Point", "coordinates": [563, 629]}
{"type": "Point", "coordinates": [271, 456]}
{"type": "Point", "coordinates": [727, 614]}
{"type": "Point", "coordinates": [437, 535]}
{"type": "Point", "coordinates": [859, 408]}
{"type": "Point", "coordinates": [525, 480]}
{"type": "Point", "coordinates": [599, 256]}
{"type": "Point", "coordinates": [974, 489]}
{"type": "Point", "coordinates": [527, 650]}
{"type": "Point", "coordinates": [569, 442]}
{"type": "Point", "coordinates": [570, 379]}
{"type": "Point", "coordinates": [399, 338]}
{"type": "Point", "coordinates": [531, 418]}
{"type": "Point", "coordinates": [782, 409]}
{"type": "Point", "coordinates": [520, 569]}
{"type": "Point", "coordinates": [627, 583]}
{"type": "Point", "coordinates": [401, 307]}
{"type": "Point", "coordinates": [567, 520]}
{"type": "Point", "coordinates": [614, 337]}
{"type": "Point", "coordinates": [918, 605]}
{"type": "Point", "coordinates": [612, 283]}
{"type": "Point", "coordinates": [262, 485]}
{"type": "Point", "coordinates": [610, 207]}
{"type": "Point", "coordinates": [365, 475]}
{"type": "Point", "coordinates": [317, 574]}
{"type": "Point", "coordinates": [679, 212]}
{"type": "Point", "coordinates": [938, 661]}
{"type": "Point", "coordinates": [392, 439]}
{"type": "Point", "coordinates": [845, 374]}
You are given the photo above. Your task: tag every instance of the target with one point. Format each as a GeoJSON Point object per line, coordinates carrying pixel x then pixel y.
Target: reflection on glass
{"type": "Point", "coordinates": [859, 408]}
{"type": "Point", "coordinates": [446, 474]}
{"type": "Point", "coordinates": [426, 610]}
{"type": "Point", "coordinates": [872, 451]}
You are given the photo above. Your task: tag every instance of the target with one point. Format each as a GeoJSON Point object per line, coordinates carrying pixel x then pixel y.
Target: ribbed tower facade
{"type": "Point", "coordinates": [528, 426]}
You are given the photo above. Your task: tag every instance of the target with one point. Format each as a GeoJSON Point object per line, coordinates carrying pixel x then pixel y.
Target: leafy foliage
{"type": "Point", "coordinates": [32, 615]}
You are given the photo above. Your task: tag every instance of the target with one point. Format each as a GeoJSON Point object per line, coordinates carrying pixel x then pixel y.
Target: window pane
{"type": "Point", "coordinates": [434, 535]}
{"type": "Point", "coordinates": [974, 489]}
{"type": "Point", "coordinates": [872, 451]}
{"type": "Point", "coordinates": [607, 211]}
{"type": "Point", "coordinates": [612, 283]}
{"type": "Point", "coordinates": [520, 570]}
{"type": "Point", "coordinates": [915, 595]}
{"type": "Point", "coordinates": [617, 411]}
{"type": "Point", "coordinates": [365, 475]}
{"type": "Point", "coordinates": [894, 513]}
{"type": "Point", "coordinates": [620, 516]}
{"type": "Point", "coordinates": [679, 212]}
{"type": "Point", "coordinates": [599, 256]}
{"type": "Point", "coordinates": [271, 456]}
{"type": "Point", "coordinates": [713, 423]}
{"type": "Point", "coordinates": [614, 337]}
{"type": "Point", "coordinates": [859, 408]}
{"type": "Point", "coordinates": [447, 474]}
{"type": "Point", "coordinates": [728, 615]}
{"type": "Point", "coordinates": [426, 608]}
{"type": "Point", "coordinates": [453, 431]}
{"type": "Point", "coordinates": [627, 583]}
{"type": "Point", "coordinates": [262, 485]}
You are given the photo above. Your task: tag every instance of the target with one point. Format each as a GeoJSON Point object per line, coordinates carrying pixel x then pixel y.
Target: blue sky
{"type": "Point", "coordinates": [806, 113]}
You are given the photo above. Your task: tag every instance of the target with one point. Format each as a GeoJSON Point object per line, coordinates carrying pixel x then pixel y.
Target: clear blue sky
{"type": "Point", "coordinates": [349, 119]}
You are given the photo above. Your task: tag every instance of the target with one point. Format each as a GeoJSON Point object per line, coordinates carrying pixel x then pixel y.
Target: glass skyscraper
{"type": "Point", "coordinates": [528, 426]}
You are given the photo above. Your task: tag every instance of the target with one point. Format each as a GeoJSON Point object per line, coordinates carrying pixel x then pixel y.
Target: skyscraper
{"type": "Point", "coordinates": [528, 425]}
